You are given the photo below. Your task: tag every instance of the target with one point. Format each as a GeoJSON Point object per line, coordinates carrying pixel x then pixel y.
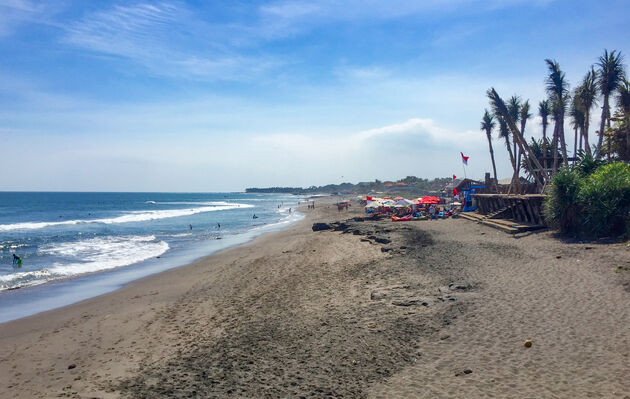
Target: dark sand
{"type": "Point", "coordinates": [434, 310]}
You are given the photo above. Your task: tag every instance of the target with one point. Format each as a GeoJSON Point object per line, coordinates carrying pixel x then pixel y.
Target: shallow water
{"type": "Point", "coordinates": [78, 245]}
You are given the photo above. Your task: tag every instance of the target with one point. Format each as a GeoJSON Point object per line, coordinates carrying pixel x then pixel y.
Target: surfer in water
{"type": "Point", "coordinates": [17, 260]}
{"type": "Point", "coordinates": [255, 217]}
{"type": "Point", "coordinates": [190, 226]}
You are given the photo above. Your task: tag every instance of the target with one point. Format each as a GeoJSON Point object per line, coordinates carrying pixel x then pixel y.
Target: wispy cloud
{"type": "Point", "coordinates": [16, 12]}
{"type": "Point", "coordinates": [166, 39]}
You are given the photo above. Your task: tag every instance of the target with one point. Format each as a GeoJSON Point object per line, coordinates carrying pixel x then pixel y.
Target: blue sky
{"type": "Point", "coordinates": [223, 95]}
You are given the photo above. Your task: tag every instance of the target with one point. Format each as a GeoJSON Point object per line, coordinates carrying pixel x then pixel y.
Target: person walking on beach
{"type": "Point", "coordinates": [431, 212]}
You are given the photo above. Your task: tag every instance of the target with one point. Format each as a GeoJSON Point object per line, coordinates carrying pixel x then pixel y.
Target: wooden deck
{"type": "Point", "coordinates": [525, 209]}
{"type": "Point", "coordinates": [505, 225]}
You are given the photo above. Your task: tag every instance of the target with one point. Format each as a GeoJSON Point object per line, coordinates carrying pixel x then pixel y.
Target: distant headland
{"type": "Point", "coordinates": [411, 184]}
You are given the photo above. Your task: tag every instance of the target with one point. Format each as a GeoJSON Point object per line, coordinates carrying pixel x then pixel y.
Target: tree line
{"type": "Point", "coordinates": [603, 83]}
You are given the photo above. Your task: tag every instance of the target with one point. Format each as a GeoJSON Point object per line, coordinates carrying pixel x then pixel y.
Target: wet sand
{"type": "Point", "coordinates": [377, 309]}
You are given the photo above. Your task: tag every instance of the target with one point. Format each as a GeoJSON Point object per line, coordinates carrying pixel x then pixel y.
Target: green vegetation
{"type": "Point", "coordinates": [590, 199]}
{"type": "Point", "coordinates": [409, 186]}
{"type": "Point", "coordinates": [603, 85]}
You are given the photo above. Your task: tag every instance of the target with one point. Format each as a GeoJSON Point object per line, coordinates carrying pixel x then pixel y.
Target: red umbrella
{"type": "Point", "coordinates": [429, 200]}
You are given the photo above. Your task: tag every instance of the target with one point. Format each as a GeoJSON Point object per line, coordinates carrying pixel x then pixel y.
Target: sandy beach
{"type": "Point", "coordinates": [375, 309]}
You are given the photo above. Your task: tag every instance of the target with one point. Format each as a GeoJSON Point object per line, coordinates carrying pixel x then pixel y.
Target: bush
{"type": "Point", "coordinates": [605, 200]}
{"type": "Point", "coordinates": [562, 208]}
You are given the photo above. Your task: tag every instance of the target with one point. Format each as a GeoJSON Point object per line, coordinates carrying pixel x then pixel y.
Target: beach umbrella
{"type": "Point", "coordinates": [403, 202]}
{"type": "Point", "coordinates": [429, 200]}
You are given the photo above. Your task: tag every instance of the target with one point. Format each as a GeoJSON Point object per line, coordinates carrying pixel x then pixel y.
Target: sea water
{"type": "Point", "coordinates": [77, 245]}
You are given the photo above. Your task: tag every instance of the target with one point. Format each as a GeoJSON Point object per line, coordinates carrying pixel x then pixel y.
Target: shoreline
{"type": "Point", "coordinates": [46, 296]}
{"type": "Point", "coordinates": [430, 309]}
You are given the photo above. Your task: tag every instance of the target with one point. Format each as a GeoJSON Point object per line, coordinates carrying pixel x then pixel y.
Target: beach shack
{"type": "Point", "coordinates": [469, 188]}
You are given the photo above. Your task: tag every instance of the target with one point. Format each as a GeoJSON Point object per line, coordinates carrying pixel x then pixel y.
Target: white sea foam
{"type": "Point", "coordinates": [104, 253]}
{"type": "Point", "coordinates": [88, 256]}
{"type": "Point", "coordinates": [135, 216]}
{"type": "Point", "coordinates": [22, 279]}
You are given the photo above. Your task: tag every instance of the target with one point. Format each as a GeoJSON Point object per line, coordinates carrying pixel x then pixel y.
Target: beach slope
{"type": "Point", "coordinates": [371, 309]}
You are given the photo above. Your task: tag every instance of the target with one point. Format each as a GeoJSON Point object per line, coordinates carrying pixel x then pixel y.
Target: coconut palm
{"type": "Point", "coordinates": [504, 133]}
{"type": "Point", "coordinates": [500, 108]}
{"type": "Point", "coordinates": [610, 74]}
{"type": "Point", "coordinates": [542, 150]}
{"type": "Point", "coordinates": [514, 109]}
{"type": "Point", "coordinates": [577, 121]}
{"type": "Point", "coordinates": [487, 124]}
{"type": "Point", "coordinates": [557, 88]}
{"type": "Point", "coordinates": [623, 102]}
{"type": "Point", "coordinates": [587, 95]}
{"type": "Point", "coordinates": [524, 115]}
{"type": "Point", "coordinates": [544, 109]}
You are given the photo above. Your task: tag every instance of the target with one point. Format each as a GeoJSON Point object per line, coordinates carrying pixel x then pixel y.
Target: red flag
{"type": "Point", "coordinates": [464, 159]}
{"type": "Point", "coordinates": [454, 177]}
{"type": "Point", "coordinates": [454, 191]}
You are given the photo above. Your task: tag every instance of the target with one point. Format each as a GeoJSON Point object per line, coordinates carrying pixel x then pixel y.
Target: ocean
{"type": "Point", "coordinates": [77, 245]}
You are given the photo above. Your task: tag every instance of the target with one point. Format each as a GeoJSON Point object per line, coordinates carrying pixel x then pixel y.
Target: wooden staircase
{"type": "Point", "coordinates": [497, 213]}
{"type": "Point", "coordinates": [505, 225]}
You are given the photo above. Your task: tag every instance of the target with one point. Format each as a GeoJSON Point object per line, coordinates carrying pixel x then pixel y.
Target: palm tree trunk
{"type": "Point", "coordinates": [580, 148]}
{"type": "Point", "coordinates": [515, 154]}
{"type": "Point", "coordinates": [587, 146]}
{"type": "Point", "coordinates": [562, 140]}
{"type": "Point", "coordinates": [494, 166]}
{"type": "Point", "coordinates": [554, 148]}
{"type": "Point", "coordinates": [575, 142]}
{"type": "Point", "coordinates": [520, 154]}
{"type": "Point", "coordinates": [516, 182]}
{"type": "Point", "coordinates": [602, 126]}
{"type": "Point", "coordinates": [529, 155]}
{"type": "Point", "coordinates": [545, 145]}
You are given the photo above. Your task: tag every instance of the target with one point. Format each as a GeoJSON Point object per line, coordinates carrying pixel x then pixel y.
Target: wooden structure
{"type": "Point", "coordinates": [510, 213]}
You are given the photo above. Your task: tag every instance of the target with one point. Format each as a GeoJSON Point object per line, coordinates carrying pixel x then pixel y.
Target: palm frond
{"type": "Point", "coordinates": [514, 107]}
{"type": "Point", "coordinates": [556, 83]}
{"type": "Point", "coordinates": [524, 114]}
{"type": "Point", "coordinates": [487, 122]}
{"type": "Point", "coordinates": [611, 72]}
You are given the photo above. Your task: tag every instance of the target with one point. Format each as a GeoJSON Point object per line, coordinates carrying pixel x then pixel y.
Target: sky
{"type": "Point", "coordinates": [199, 96]}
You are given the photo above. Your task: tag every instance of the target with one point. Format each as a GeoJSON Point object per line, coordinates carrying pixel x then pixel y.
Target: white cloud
{"type": "Point", "coordinates": [13, 13]}
{"type": "Point", "coordinates": [168, 40]}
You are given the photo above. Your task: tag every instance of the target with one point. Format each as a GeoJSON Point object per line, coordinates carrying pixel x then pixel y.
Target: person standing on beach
{"type": "Point", "coordinates": [431, 212]}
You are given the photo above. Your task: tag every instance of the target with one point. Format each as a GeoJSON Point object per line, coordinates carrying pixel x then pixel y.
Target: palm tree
{"type": "Point", "coordinates": [610, 74]}
{"type": "Point", "coordinates": [557, 88]}
{"type": "Point", "coordinates": [504, 133]}
{"type": "Point", "coordinates": [577, 120]}
{"type": "Point", "coordinates": [487, 124]}
{"type": "Point", "coordinates": [587, 94]}
{"type": "Point", "coordinates": [524, 115]}
{"type": "Point", "coordinates": [500, 109]}
{"type": "Point", "coordinates": [514, 109]}
{"type": "Point", "coordinates": [623, 102]}
{"type": "Point", "coordinates": [544, 109]}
